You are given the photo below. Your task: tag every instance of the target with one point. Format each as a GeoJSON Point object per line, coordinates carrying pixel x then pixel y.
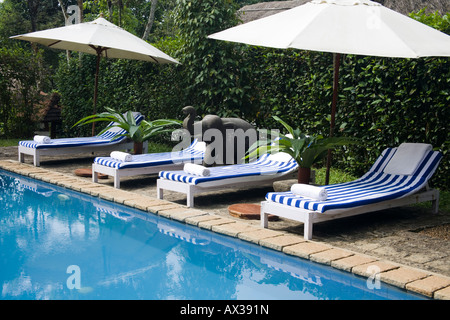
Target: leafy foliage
{"type": "Point", "coordinates": [214, 72]}
{"type": "Point", "coordinates": [137, 132]}
{"type": "Point", "coordinates": [20, 76]}
{"type": "Point", "coordinates": [306, 149]}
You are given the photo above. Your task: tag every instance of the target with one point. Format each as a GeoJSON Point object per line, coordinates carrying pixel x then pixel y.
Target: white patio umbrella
{"type": "Point", "coordinates": [100, 38]}
{"type": "Point", "coordinates": [358, 27]}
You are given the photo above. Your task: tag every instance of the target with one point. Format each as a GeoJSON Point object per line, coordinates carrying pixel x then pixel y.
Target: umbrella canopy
{"type": "Point", "coordinates": [264, 9]}
{"type": "Point", "coordinates": [359, 27]}
{"type": "Point", "coordinates": [342, 26]}
{"type": "Point", "coordinates": [98, 35]}
{"type": "Point", "coordinates": [100, 38]}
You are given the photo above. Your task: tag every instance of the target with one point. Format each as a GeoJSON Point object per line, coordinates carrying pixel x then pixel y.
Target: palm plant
{"type": "Point", "coordinates": [307, 150]}
{"type": "Point", "coordinates": [139, 133]}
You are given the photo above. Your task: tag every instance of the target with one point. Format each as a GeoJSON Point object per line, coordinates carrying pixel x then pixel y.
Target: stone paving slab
{"type": "Point", "coordinates": [371, 268]}
{"type": "Point", "coordinates": [279, 242]}
{"type": "Point", "coordinates": [443, 294]}
{"type": "Point", "coordinates": [305, 249]}
{"type": "Point", "coordinates": [95, 191]}
{"type": "Point", "coordinates": [161, 206]}
{"type": "Point", "coordinates": [401, 276]}
{"type": "Point", "coordinates": [348, 263]}
{"type": "Point", "coordinates": [208, 224]}
{"type": "Point", "coordinates": [259, 234]}
{"type": "Point", "coordinates": [54, 178]}
{"type": "Point", "coordinates": [195, 220]}
{"type": "Point", "coordinates": [144, 203]}
{"type": "Point", "coordinates": [428, 285]}
{"type": "Point", "coordinates": [76, 185]}
{"type": "Point", "coordinates": [328, 256]}
{"type": "Point", "coordinates": [119, 196]}
{"type": "Point", "coordinates": [180, 213]}
{"type": "Point", "coordinates": [412, 279]}
{"type": "Point", "coordinates": [232, 229]}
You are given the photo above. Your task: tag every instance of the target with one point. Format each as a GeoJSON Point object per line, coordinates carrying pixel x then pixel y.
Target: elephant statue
{"type": "Point", "coordinates": [227, 139]}
{"type": "Point", "coordinates": [188, 122]}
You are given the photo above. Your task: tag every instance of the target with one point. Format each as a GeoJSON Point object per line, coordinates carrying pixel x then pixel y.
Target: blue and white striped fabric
{"type": "Point", "coordinates": [375, 186]}
{"type": "Point", "coordinates": [105, 138]}
{"type": "Point", "coordinates": [190, 154]}
{"type": "Point", "coordinates": [263, 166]}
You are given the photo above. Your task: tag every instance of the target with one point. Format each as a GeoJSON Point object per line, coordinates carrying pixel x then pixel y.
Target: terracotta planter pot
{"type": "Point", "coordinates": [138, 147]}
{"type": "Point", "coordinates": [304, 175]}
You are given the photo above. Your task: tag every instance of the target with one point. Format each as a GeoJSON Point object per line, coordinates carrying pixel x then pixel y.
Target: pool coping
{"type": "Point", "coordinates": [426, 283]}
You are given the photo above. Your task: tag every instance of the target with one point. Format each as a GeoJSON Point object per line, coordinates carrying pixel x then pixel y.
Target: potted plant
{"type": "Point", "coordinates": [305, 149]}
{"type": "Point", "coordinates": [138, 133]}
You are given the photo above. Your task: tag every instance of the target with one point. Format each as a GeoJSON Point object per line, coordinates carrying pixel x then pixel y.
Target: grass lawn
{"type": "Point", "coordinates": [9, 142]}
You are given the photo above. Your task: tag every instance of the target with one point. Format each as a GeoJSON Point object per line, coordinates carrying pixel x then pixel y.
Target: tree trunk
{"type": "Point", "coordinates": [80, 5]}
{"type": "Point", "coordinates": [110, 9]}
{"type": "Point", "coordinates": [33, 8]}
{"type": "Point", "coordinates": [304, 175]}
{"type": "Point", "coordinates": [66, 19]}
{"type": "Point", "coordinates": [150, 21]}
{"type": "Point", "coordinates": [120, 4]}
{"type": "Point", "coordinates": [80, 19]}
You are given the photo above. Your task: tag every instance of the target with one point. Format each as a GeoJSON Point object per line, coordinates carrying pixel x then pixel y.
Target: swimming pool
{"type": "Point", "coordinates": [61, 244]}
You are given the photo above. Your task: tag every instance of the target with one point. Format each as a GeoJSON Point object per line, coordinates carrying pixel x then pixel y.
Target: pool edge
{"type": "Point", "coordinates": [426, 283]}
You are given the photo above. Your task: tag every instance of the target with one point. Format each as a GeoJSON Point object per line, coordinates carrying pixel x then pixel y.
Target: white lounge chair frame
{"type": "Point", "coordinates": [191, 190]}
{"type": "Point", "coordinates": [124, 144]}
{"type": "Point", "coordinates": [38, 153]}
{"type": "Point", "coordinates": [118, 173]}
{"type": "Point", "coordinates": [309, 217]}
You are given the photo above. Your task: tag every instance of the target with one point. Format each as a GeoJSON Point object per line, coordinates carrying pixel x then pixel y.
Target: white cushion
{"type": "Point", "coordinates": [407, 157]}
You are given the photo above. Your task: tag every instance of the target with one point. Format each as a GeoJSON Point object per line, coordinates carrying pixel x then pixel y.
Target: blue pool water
{"type": "Point", "coordinates": [59, 244]}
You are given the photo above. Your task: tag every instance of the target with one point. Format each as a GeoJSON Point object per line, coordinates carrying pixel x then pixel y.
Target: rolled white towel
{"type": "Point", "coordinates": [309, 191]}
{"type": "Point", "coordinates": [121, 156]}
{"type": "Point", "coordinates": [196, 169]}
{"type": "Point", "coordinates": [42, 139]}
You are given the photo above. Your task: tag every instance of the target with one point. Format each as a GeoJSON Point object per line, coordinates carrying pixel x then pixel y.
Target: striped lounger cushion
{"type": "Point", "coordinates": [105, 138]}
{"type": "Point", "coordinates": [375, 186]}
{"type": "Point", "coordinates": [263, 166]}
{"type": "Point", "coordinates": [189, 154]}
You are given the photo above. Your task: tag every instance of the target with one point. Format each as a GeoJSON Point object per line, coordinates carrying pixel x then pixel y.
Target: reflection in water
{"type": "Point", "coordinates": [124, 253]}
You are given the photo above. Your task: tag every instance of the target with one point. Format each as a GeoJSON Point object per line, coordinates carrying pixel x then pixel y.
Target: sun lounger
{"type": "Point", "coordinates": [151, 163]}
{"type": "Point", "coordinates": [399, 177]}
{"type": "Point", "coordinates": [267, 169]}
{"type": "Point", "coordinates": [101, 143]}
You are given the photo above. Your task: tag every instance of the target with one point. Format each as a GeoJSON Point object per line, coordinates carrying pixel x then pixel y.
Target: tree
{"type": "Point", "coordinates": [214, 70]}
{"type": "Point", "coordinates": [151, 19]}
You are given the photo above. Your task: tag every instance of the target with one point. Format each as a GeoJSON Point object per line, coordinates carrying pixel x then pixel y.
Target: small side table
{"type": "Point", "coordinates": [248, 211]}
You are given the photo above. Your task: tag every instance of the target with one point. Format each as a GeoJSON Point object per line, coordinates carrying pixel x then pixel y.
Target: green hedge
{"type": "Point", "coordinates": [124, 85]}
{"type": "Point", "coordinates": [382, 101]}
{"type": "Point", "coordinates": [21, 79]}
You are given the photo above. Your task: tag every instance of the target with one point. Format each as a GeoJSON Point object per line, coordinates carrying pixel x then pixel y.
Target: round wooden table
{"type": "Point", "coordinates": [87, 172]}
{"type": "Point", "coordinates": [249, 211]}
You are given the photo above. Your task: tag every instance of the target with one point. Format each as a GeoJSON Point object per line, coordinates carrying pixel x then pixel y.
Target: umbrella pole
{"type": "Point", "coordinates": [97, 68]}
{"type": "Point", "coordinates": [336, 64]}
